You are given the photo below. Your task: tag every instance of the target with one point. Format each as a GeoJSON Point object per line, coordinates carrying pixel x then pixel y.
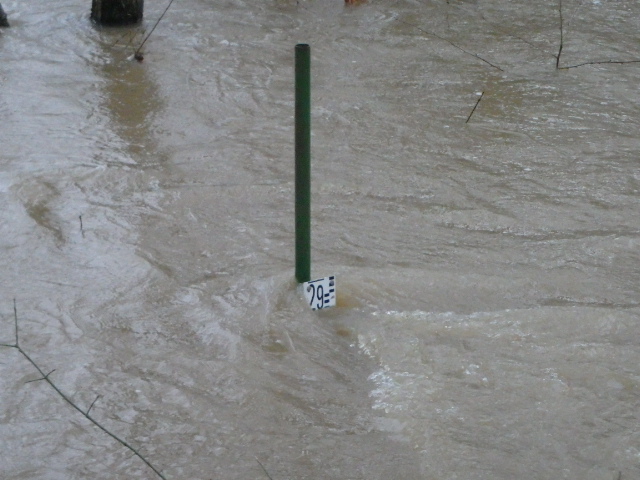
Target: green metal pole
{"type": "Point", "coordinates": [303, 163]}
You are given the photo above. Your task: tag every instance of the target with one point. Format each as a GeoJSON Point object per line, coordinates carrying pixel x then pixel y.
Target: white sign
{"type": "Point", "coordinates": [320, 293]}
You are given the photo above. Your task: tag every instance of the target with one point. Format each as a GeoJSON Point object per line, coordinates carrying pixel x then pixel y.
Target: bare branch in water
{"type": "Point", "coordinates": [46, 378]}
{"type": "Point", "coordinates": [452, 44]}
{"type": "Point", "coordinates": [92, 404]}
{"type": "Point", "coordinates": [603, 62]}
{"type": "Point", "coordinates": [263, 469]}
{"type": "Point", "coordinates": [561, 35]}
{"type": "Point", "coordinates": [137, 55]}
{"type": "Point", "coordinates": [474, 107]}
{"type": "Point", "coordinates": [15, 317]}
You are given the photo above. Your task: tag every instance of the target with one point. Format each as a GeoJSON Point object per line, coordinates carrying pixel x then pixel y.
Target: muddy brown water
{"type": "Point", "coordinates": [488, 318]}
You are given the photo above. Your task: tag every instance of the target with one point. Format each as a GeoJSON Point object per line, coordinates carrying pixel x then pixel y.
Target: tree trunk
{"type": "Point", "coordinates": [116, 12]}
{"type": "Point", "coordinates": [3, 18]}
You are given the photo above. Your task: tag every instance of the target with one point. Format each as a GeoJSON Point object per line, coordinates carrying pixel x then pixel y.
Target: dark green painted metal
{"type": "Point", "coordinates": [303, 162]}
{"type": "Point", "coordinates": [117, 12]}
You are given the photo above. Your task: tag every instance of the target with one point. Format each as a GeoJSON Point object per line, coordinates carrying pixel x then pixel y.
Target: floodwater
{"type": "Point", "coordinates": [488, 266]}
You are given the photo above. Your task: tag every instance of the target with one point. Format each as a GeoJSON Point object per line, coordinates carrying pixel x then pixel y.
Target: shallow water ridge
{"type": "Point", "coordinates": [478, 205]}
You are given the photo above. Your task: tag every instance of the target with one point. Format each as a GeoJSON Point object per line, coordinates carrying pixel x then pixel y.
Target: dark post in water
{"type": "Point", "coordinates": [303, 162]}
{"type": "Point", "coordinates": [3, 18]}
{"type": "Point", "coordinates": [116, 12]}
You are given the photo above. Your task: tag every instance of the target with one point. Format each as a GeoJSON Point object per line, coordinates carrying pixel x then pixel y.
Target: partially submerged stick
{"type": "Point", "coordinates": [603, 62]}
{"type": "Point", "coordinates": [264, 469]}
{"type": "Point", "coordinates": [452, 44]}
{"type": "Point", "coordinates": [561, 35]}
{"type": "Point", "coordinates": [474, 107]}
{"type": "Point", "coordinates": [137, 55]}
{"type": "Point", "coordinates": [46, 378]}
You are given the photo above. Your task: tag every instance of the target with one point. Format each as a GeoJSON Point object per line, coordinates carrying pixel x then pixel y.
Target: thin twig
{"type": "Point", "coordinates": [603, 62]}
{"type": "Point", "coordinates": [46, 378]}
{"type": "Point", "coordinates": [137, 55]}
{"type": "Point", "coordinates": [474, 107]}
{"type": "Point", "coordinates": [118, 39]}
{"type": "Point", "coordinates": [448, 24]}
{"type": "Point", "coordinates": [15, 317]}
{"type": "Point", "coordinates": [92, 404]}
{"type": "Point", "coordinates": [558, 67]}
{"type": "Point", "coordinates": [504, 31]}
{"type": "Point", "coordinates": [452, 44]}
{"type": "Point", "coordinates": [561, 35]}
{"type": "Point", "coordinates": [264, 469]}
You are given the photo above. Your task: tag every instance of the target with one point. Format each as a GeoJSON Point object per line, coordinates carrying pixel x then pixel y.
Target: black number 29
{"type": "Point", "coordinates": [317, 294]}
